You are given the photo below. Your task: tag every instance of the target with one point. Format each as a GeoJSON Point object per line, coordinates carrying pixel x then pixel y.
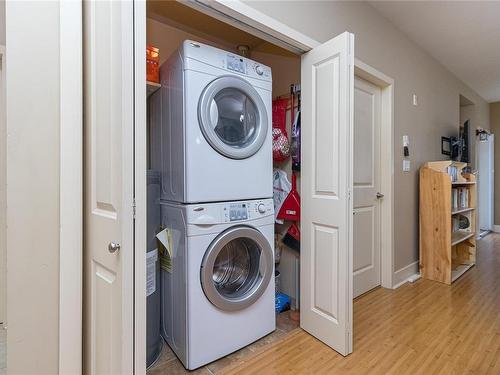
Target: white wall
{"type": "Point", "coordinates": [384, 47]}
{"type": "Point", "coordinates": [33, 144]}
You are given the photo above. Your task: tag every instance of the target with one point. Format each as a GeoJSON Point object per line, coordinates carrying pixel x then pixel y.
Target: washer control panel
{"type": "Point", "coordinates": [229, 212]}
{"type": "Point", "coordinates": [241, 211]}
{"type": "Point", "coordinates": [238, 211]}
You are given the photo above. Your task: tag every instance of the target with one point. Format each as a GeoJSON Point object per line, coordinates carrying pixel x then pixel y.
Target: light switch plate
{"type": "Point", "coordinates": [406, 165]}
{"type": "Point", "coordinates": [406, 141]}
{"type": "Point", "coordinates": [415, 100]}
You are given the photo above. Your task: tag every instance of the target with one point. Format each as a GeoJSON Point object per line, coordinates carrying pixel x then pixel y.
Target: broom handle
{"type": "Point", "coordinates": [294, 182]}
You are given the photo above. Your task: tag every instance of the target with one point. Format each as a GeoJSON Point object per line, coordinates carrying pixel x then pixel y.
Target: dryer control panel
{"type": "Point", "coordinates": [245, 66]}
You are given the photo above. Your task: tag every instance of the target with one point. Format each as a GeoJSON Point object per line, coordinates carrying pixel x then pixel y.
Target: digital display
{"type": "Point", "coordinates": [238, 212]}
{"type": "Point", "coordinates": [235, 63]}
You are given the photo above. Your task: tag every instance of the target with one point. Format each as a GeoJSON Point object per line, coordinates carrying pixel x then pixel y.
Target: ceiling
{"type": "Point", "coordinates": [463, 36]}
{"type": "Point", "coordinates": [183, 17]}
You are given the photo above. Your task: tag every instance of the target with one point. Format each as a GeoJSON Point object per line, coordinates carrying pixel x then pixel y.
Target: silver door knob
{"type": "Point", "coordinates": [113, 247]}
{"type": "Point", "coordinates": [380, 195]}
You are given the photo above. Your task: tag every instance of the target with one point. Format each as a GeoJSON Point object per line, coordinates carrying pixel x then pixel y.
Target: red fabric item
{"type": "Point", "coordinates": [281, 144]}
{"type": "Point", "coordinates": [290, 210]}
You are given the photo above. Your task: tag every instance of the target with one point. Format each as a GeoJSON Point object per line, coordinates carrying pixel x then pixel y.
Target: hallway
{"type": "Point", "coordinates": [422, 328]}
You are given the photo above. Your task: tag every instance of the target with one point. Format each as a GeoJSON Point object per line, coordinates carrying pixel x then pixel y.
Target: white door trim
{"type": "Point", "coordinates": [71, 188]}
{"type": "Point", "coordinates": [140, 167]}
{"type": "Point", "coordinates": [386, 85]}
{"type": "Point", "coordinates": [3, 195]}
{"type": "Point", "coordinates": [249, 19]}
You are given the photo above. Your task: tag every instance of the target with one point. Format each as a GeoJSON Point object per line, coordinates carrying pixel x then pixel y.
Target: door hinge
{"type": "Point", "coordinates": [133, 208]}
{"type": "Point", "coordinates": [349, 194]}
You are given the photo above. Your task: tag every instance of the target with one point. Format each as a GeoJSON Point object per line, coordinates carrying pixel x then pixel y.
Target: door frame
{"type": "Point", "coordinates": [259, 24]}
{"type": "Point", "coordinates": [71, 188]}
{"type": "Point", "coordinates": [386, 85]}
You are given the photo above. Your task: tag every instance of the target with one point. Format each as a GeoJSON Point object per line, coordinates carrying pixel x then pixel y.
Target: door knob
{"type": "Point", "coordinates": [113, 247]}
{"type": "Point", "coordinates": [380, 195]}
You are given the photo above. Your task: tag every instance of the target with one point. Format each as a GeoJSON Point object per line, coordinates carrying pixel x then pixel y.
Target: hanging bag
{"type": "Point", "coordinates": [281, 145]}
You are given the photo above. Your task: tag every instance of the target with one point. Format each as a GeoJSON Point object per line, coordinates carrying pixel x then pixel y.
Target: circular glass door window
{"type": "Point", "coordinates": [233, 117]}
{"type": "Point", "coordinates": [237, 268]}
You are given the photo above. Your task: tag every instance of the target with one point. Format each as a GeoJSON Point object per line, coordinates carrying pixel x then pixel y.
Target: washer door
{"type": "Point", "coordinates": [237, 268]}
{"type": "Point", "coordinates": [233, 117]}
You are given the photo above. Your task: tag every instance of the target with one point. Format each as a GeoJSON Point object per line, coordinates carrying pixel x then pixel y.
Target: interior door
{"type": "Point", "coordinates": [367, 195]}
{"type": "Point", "coordinates": [326, 187]}
{"type": "Point", "coordinates": [485, 182]}
{"type": "Point", "coordinates": [108, 193]}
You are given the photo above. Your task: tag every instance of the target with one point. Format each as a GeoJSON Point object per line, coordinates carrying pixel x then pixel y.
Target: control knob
{"type": "Point", "coordinates": [261, 208]}
{"type": "Point", "coordinates": [259, 70]}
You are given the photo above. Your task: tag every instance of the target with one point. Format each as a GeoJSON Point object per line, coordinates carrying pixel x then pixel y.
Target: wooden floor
{"type": "Point", "coordinates": [422, 328]}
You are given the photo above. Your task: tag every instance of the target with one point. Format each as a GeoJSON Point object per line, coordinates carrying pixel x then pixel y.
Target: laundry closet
{"type": "Point", "coordinates": [223, 150]}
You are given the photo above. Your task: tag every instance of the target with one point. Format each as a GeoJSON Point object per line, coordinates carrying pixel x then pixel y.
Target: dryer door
{"type": "Point", "coordinates": [233, 117]}
{"type": "Point", "coordinates": [237, 268]}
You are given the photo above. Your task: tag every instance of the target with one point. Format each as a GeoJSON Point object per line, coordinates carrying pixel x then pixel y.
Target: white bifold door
{"type": "Point", "coordinates": [326, 190]}
{"type": "Point", "coordinates": [108, 192]}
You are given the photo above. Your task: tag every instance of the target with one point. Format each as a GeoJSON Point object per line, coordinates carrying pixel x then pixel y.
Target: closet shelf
{"type": "Point", "coordinates": [457, 237]}
{"type": "Point", "coordinates": [459, 271]}
{"type": "Point", "coordinates": [152, 87]}
{"type": "Point", "coordinates": [455, 183]}
{"type": "Point", "coordinates": [462, 210]}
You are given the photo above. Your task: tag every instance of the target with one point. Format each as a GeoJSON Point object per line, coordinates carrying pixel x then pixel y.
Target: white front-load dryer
{"type": "Point", "coordinates": [211, 133]}
{"type": "Point", "coordinates": [219, 295]}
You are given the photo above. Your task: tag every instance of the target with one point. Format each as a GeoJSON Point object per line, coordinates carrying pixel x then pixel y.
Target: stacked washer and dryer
{"type": "Point", "coordinates": [211, 139]}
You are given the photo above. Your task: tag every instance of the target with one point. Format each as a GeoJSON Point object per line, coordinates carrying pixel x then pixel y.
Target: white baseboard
{"type": "Point", "coordinates": [410, 273]}
{"type": "Point", "coordinates": [496, 228]}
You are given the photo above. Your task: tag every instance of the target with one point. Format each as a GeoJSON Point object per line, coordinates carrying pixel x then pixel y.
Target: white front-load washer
{"type": "Point", "coordinates": [219, 295]}
{"type": "Point", "coordinates": [210, 122]}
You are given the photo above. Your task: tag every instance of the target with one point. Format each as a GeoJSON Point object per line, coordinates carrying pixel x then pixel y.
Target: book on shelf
{"type": "Point", "coordinates": [459, 198]}
{"type": "Point", "coordinates": [452, 170]}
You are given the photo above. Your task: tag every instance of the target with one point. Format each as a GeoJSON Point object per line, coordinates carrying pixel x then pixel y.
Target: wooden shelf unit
{"type": "Point", "coordinates": [445, 254]}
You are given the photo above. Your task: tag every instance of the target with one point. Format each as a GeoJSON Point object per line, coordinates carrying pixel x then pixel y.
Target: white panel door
{"type": "Point", "coordinates": [108, 193]}
{"type": "Point", "coordinates": [326, 247]}
{"type": "Point", "coordinates": [366, 219]}
{"type": "Point", "coordinates": [485, 159]}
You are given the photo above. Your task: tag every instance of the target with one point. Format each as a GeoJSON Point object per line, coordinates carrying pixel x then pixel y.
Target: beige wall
{"type": "Point", "coordinates": [33, 187]}
{"type": "Point", "coordinates": [2, 22]}
{"type": "Point", "coordinates": [495, 128]}
{"type": "Point", "coordinates": [382, 46]}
